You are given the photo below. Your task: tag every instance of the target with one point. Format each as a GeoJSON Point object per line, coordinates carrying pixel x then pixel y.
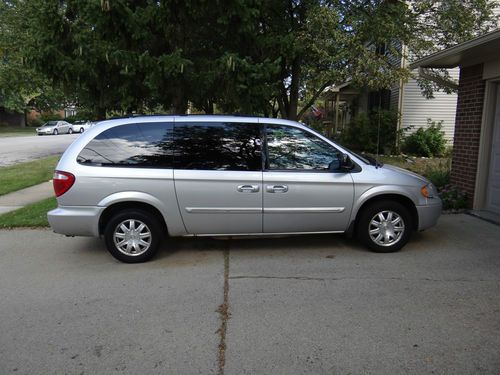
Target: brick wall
{"type": "Point", "coordinates": [468, 129]}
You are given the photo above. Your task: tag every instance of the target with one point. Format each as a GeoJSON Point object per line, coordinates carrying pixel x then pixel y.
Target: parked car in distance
{"type": "Point", "coordinates": [135, 180]}
{"type": "Point", "coordinates": [54, 127]}
{"type": "Point", "coordinates": [81, 126]}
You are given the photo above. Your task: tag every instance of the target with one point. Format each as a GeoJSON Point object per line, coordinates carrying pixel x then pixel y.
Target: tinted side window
{"type": "Point", "coordinates": [218, 146]}
{"type": "Point", "coordinates": [290, 148]}
{"type": "Point", "coordinates": [148, 145]}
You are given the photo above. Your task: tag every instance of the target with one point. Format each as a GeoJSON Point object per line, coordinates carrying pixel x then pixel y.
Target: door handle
{"type": "Point", "coordinates": [248, 188]}
{"type": "Point", "coordinates": [277, 188]}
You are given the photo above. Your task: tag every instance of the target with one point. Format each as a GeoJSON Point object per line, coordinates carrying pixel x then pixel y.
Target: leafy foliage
{"type": "Point", "coordinates": [22, 86]}
{"type": "Point", "coordinates": [438, 25]}
{"type": "Point", "coordinates": [263, 56]}
{"type": "Point", "coordinates": [363, 131]}
{"type": "Point", "coordinates": [426, 142]}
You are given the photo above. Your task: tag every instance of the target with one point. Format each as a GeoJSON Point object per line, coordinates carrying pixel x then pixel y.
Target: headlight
{"type": "Point", "coordinates": [428, 191]}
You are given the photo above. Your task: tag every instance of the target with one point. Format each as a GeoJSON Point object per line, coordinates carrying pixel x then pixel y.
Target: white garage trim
{"type": "Point", "coordinates": [486, 137]}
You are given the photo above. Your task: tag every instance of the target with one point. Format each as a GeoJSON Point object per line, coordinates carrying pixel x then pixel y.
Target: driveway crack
{"type": "Point", "coordinates": [307, 278]}
{"type": "Point", "coordinates": [281, 277]}
{"type": "Point", "coordinates": [224, 314]}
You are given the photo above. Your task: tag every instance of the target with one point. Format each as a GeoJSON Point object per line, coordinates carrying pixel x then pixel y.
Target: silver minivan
{"type": "Point", "coordinates": [136, 180]}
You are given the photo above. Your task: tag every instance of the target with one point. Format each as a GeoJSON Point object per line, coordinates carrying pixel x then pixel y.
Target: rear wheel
{"type": "Point", "coordinates": [385, 226]}
{"type": "Point", "coordinates": [82, 130]}
{"type": "Point", "coordinates": [133, 236]}
{"type": "Point", "coordinates": [70, 131]}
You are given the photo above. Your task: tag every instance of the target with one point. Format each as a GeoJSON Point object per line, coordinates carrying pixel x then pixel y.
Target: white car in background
{"type": "Point", "coordinates": [55, 128]}
{"type": "Point", "coordinates": [81, 126]}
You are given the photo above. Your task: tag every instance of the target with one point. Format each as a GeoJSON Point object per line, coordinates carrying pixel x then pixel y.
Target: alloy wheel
{"type": "Point", "coordinates": [386, 228]}
{"type": "Point", "coordinates": [132, 237]}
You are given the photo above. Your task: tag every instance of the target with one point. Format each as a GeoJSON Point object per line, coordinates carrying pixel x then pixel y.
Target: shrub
{"type": "Point", "coordinates": [361, 134]}
{"type": "Point", "coordinates": [44, 117]}
{"type": "Point", "coordinates": [453, 198]}
{"type": "Point", "coordinates": [35, 122]}
{"type": "Point", "coordinates": [439, 174]}
{"type": "Point", "coordinates": [426, 142]}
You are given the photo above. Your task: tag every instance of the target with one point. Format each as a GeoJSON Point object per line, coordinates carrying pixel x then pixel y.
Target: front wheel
{"type": "Point", "coordinates": [132, 236]}
{"type": "Point", "coordinates": [385, 226]}
{"type": "Point", "coordinates": [55, 132]}
{"type": "Point", "coordinates": [82, 130]}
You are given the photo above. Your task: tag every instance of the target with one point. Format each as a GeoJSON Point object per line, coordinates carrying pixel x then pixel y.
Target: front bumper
{"type": "Point", "coordinates": [428, 215]}
{"type": "Point", "coordinates": [75, 220]}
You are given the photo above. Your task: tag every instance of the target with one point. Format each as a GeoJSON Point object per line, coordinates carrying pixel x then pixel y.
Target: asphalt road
{"type": "Point", "coordinates": [298, 305]}
{"type": "Point", "coordinates": [19, 149]}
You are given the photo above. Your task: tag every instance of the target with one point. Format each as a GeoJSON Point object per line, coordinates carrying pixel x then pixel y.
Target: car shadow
{"type": "Point", "coordinates": [326, 244]}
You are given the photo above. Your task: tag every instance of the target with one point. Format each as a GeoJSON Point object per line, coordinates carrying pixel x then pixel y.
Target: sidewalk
{"type": "Point", "coordinates": [18, 199]}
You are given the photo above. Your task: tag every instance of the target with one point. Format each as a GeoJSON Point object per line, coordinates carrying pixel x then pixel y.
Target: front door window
{"type": "Point", "coordinates": [293, 149]}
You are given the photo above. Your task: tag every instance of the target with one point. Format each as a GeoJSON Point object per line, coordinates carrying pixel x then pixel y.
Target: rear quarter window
{"type": "Point", "coordinates": [145, 145]}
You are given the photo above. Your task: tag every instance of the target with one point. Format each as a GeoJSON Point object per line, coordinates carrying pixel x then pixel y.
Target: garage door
{"type": "Point", "coordinates": [493, 199]}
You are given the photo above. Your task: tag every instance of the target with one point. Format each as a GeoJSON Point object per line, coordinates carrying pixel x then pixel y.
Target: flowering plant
{"type": "Point", "coordinates": [453, 198]}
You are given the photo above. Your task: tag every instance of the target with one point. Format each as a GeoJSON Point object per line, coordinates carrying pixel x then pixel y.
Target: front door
{"type": "Point", "coordinates": [304, 190]}
{"type": "Point", "coordinates": [493, 194]}
{"type": "Point", "coordinates": [218, 176]}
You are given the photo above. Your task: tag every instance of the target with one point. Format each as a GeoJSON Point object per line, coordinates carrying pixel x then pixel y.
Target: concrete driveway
{"type": "Point", "coordinates": [19, 149]}
{"type": "Point", "coordinates": [298, 305]}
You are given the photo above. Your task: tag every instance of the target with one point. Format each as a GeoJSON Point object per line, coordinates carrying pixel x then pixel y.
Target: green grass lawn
{"type": "Point", "coordinates": [32, 215]}
{"type": "Point", "coordinates": [14, 131]}
{"type": "Point", "coordinates": [22, 175]}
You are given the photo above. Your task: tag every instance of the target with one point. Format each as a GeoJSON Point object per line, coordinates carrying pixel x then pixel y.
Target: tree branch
{"type": "Point", "coordinates": [311, 101]}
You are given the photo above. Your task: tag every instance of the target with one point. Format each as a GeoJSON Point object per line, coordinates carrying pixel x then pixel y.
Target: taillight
{"type": "Point", "coordinates": [62, 182]}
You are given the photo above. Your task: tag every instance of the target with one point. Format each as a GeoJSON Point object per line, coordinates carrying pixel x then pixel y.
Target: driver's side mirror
{"type": "Point", "coordinates": [346, 164]}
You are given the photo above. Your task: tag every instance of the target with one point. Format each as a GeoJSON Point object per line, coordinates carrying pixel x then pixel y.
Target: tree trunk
{"type": "Point", "coordinates": [101, 107]}
{"type": "Point", "coordinates": [209, 107]}
{"type": "Point", "coordinates": [100, 113]}
{"type": "Point", "coordinates": [180, 103]}
{"type": "Point", "coordinates": [294, 90]}
{"type": "Point", "coordinates": [180, 107]}
{"type": "Point", "coordinates": [281, 106]}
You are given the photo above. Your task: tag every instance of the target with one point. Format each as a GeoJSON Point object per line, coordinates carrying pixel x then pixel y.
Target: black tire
{"type": "Point", "coordinates": [70, 131]}
{"type": "Point", "coordinates": [82, 130]}
{"type": "Point", "coordinates": [369, 213]}
{"type": "Point", "coordinates": [55, 132]}
{"type": "Point", "coordinates": [146, 218]}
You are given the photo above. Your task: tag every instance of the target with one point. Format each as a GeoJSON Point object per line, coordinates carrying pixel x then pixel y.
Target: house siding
{"type": "Point", "coordinates": [468, 129]}
{"type": "Point", "coordinates": [416, 108]}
